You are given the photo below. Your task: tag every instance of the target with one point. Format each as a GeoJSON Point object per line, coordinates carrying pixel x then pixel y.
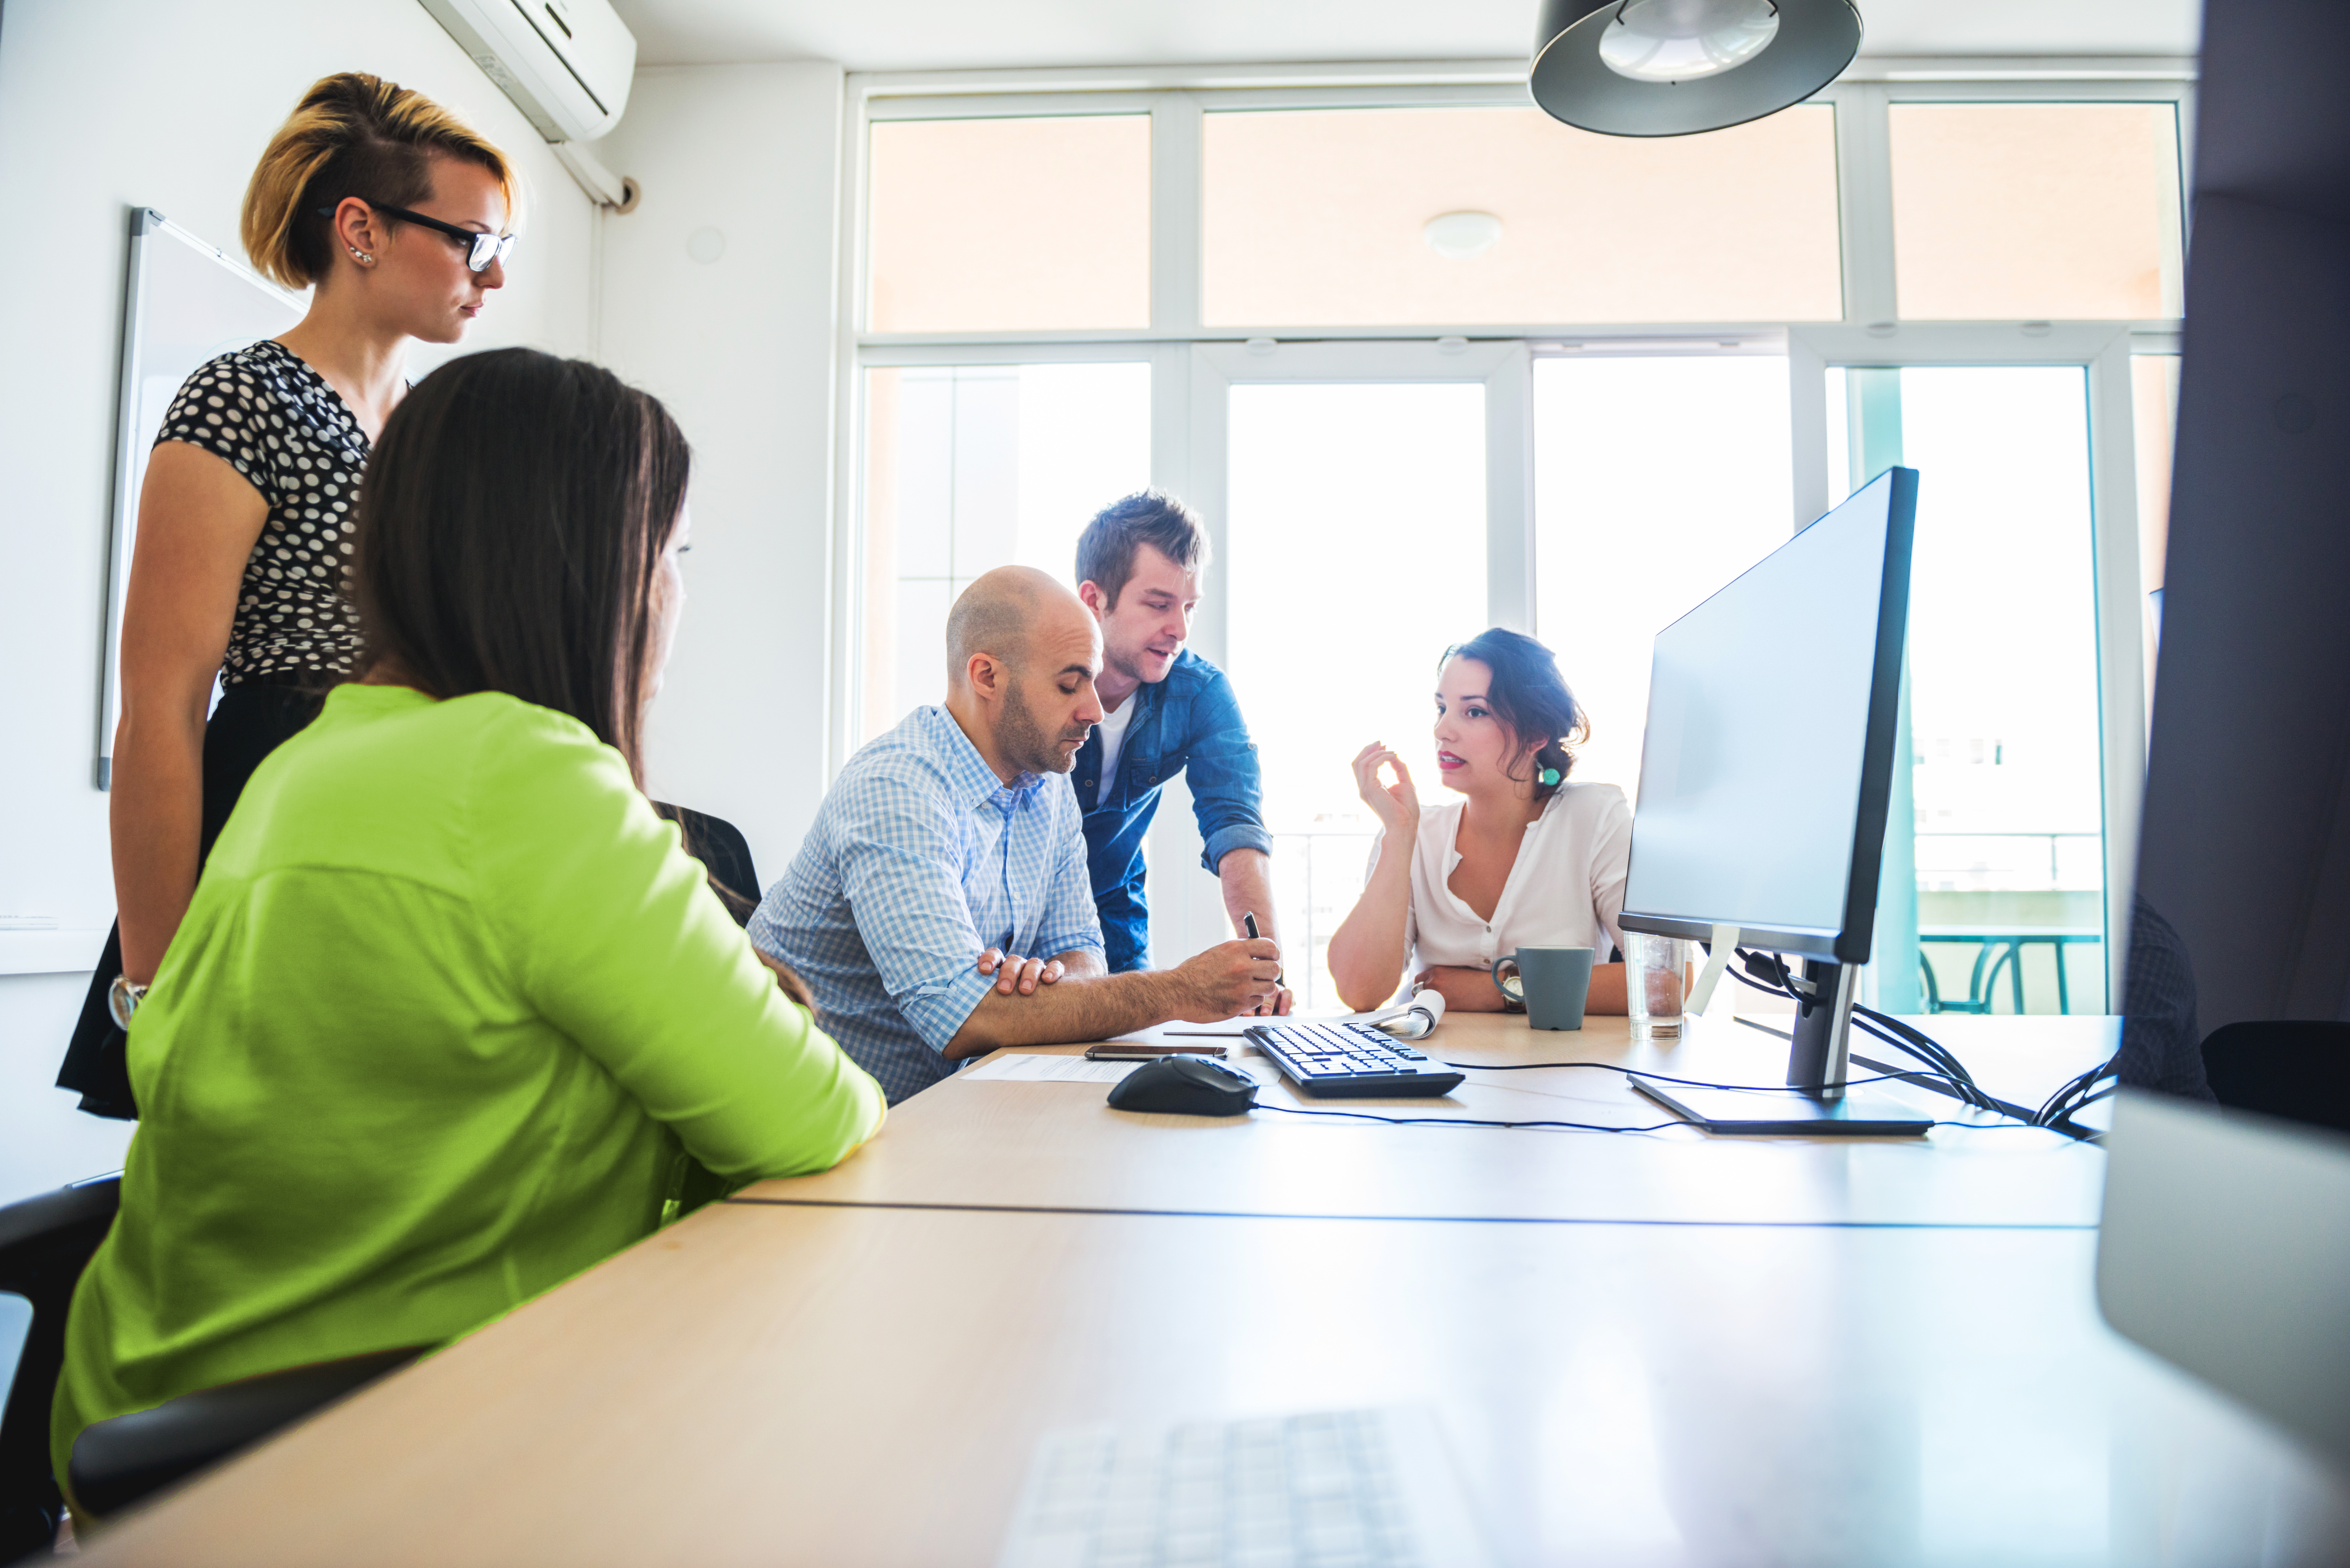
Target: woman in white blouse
{"type": "Point", "coordinates": [1523, 858]}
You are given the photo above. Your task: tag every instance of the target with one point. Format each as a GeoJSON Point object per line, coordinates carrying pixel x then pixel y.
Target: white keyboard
{"type": "Point", "coordinates": [1347, 1488]}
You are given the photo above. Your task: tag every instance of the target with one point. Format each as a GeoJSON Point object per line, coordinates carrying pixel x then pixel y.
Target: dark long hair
{"type": "Point", "coordinates": [1528, 694]}
{"type": "Point", "coordinates": [513, 515]}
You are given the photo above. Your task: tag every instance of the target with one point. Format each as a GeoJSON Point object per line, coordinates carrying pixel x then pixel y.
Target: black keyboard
{"type": "Point", "coordinates": [1336, 1060]}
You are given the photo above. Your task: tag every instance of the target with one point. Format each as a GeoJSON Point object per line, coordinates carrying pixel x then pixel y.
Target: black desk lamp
{"type": "Point", "coordinates": [1669, 68]}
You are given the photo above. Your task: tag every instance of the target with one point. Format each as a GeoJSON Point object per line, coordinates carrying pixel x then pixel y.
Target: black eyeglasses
{"type": "Point", "coordinates": [481, 248]}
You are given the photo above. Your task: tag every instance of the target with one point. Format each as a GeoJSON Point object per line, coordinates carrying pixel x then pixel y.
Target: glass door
{"type": "Point", "coordinates": [1368, 501]}
{"type": "Point", "coordinates": [2001, 905]}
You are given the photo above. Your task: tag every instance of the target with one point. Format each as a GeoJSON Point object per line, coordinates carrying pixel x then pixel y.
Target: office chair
{"type": "Point", "coordinates": [45, 1243]}
{"type": "Point", "coordinates": [2298, 1070]}
{"type": "Point", "coordinates": [723, 852]}
{"type": "Point", "coordinates": [117, 1462]}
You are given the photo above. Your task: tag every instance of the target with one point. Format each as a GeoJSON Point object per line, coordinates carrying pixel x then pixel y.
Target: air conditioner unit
{"type": "Point", "coordinates": [567, 64]}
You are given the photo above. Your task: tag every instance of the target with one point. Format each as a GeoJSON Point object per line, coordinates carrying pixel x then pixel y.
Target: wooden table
{"type": "Point", "coordinates": [841, 1386]}
{"type": "Point", "coordinates": [978, 1143]}
{"type": "Point", "coordinates": [1693, 1351]}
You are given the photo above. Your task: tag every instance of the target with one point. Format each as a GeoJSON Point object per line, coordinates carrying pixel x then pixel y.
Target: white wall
{"type": "Point", "coordinates": [104, 105]}
{"type": "Point", "coordinates": [741, 350]}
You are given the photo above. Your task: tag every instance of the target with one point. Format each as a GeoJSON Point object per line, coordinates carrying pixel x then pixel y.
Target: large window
{"type": "Point", "coordinates": [1657, 479]}
{"type": "Point", "coordinates": [2006, 841]}
{"type": "Point", "coordinates": [970, 468]}
{"type": "Point", "coordinates": [1357, 553]}
{"type": "Point", "coordinates": [1325, 217]}
{"type": "Point", "coordinates": [2047, 210]}
{"type": "Point", "coordinates": [1427, 361]}
{"type": "Point", "coordinates": [1009, 225]}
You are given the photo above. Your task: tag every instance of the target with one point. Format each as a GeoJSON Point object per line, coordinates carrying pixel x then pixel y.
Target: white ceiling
{"type": "Point", "coordinates": [953, 35]}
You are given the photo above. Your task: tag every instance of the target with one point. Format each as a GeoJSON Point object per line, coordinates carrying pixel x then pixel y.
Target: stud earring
{"type": "Point", "coordinates": [361, 256]}
{"type": "Point", "coordinates": [1548, 776]}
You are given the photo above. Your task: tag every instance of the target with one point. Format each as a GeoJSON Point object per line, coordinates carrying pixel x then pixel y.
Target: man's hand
{"type": "Point", "coordinates": [1278, 1004]}
{"type": "Point", "coordinates": [1018, 974]}
{"type": "Point", "coordinates": [1227, 980]}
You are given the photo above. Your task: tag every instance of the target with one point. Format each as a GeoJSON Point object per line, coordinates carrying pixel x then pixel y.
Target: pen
{"type": "Point", "coordinates": [1249, 921]}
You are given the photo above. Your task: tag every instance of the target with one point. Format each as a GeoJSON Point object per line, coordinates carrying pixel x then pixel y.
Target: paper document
{"type": "Point", "coordinates": [1052, 1070]}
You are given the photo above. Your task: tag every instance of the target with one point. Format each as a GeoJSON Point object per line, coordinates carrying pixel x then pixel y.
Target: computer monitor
{"type": "Point", "coordinates": [1764, 780]}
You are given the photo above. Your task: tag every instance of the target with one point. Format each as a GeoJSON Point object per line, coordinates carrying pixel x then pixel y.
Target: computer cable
{"type": "Point", "coordinates": [1877, 1025]}
{"type": "Point", "coordinates": [1464, 1121]}
{"type": "Point", "coordinates": [1643, 1072]}
{"type": "Point", "coordinates": [1925, 1078]}
{"type": "Point", "coordinates": [1941, 1062]}
{"type": "Point", "coordinates": [2053, 1114]}
{"type": "Point", "coordinates": [2076, 1094]}
{"type": "Point", "coordinates": [1558, 1125]}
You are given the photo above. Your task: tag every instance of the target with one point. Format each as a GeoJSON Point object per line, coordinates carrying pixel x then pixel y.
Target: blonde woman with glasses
{"type": "Point", "coordinates": [397, 215]}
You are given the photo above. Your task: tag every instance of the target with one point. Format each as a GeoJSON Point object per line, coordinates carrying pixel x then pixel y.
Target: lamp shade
{"type": "Point", "coordinates": [1736, 61]}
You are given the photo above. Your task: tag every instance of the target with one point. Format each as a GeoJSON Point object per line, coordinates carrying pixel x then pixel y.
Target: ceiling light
{"type": "Point", "coordinates": [1457, 236]}
{"type": "Point", "coordinates": [1683, 40]}
{"type": "Point", "coordinates": [1669, 68]}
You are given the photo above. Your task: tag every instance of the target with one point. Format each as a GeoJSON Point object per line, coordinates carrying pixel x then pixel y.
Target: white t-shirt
{"type": "Point", "coordinates": [1113, 736]}
{"type": "Point", "coordinates": [1564, 890]}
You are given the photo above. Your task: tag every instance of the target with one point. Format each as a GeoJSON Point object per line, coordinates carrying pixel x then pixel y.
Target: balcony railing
{"type": "Point", "coordinates": [1320, 871]}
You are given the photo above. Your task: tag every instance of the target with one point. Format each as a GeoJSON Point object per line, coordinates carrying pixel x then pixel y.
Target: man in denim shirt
{"type": "Point", "coordinates": [1164, 709]}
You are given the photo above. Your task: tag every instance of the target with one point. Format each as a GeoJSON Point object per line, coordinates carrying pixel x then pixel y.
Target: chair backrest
{"type": "Point", "coordinates": [45, 1244]}
{"type": "Point", "coordinates": [723, 852]}
{"type": "Point", "coordinates": [122, 1460]}
{"type": "Point", "coordinates": [2299, 1070]}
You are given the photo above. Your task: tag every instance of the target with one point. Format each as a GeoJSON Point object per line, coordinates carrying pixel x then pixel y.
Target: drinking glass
{"type": "Point", "coordinates": [1655, 983]}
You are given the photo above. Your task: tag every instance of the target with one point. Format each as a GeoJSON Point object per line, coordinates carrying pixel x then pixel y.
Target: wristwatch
{"type": "Point", "coordinates": [123, 1000]}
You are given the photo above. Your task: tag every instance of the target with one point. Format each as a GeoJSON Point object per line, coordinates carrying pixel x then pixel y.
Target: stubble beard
{"type": "Point", "coordinates": [1022, 739]}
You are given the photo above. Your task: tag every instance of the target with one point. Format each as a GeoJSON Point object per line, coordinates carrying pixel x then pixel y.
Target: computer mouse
{"type": "Point", "coordinates": [1185, 1087]}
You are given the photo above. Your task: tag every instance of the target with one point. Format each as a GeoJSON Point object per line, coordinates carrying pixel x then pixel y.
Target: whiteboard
{"type": "Point", "coordinates": [184, 302]}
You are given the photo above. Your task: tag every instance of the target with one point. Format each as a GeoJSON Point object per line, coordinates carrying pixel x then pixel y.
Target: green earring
{"type": "Point", "coordinates": [1548, 776]}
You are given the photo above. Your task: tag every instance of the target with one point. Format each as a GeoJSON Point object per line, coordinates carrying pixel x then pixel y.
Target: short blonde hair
{"type": "Point", "coordinates": [351, 135]}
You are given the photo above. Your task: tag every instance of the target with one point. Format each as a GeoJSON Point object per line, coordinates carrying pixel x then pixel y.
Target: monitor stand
{"type": "Point", "coordinates": [1816, 1099]}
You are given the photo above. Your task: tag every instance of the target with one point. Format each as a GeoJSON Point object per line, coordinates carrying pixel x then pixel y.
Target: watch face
{"type": "Point", "coordinates": [123, 1000]}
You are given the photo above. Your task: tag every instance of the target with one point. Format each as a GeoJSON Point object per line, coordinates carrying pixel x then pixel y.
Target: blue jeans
{"type": "Point", "coordinates": [1188, 720]}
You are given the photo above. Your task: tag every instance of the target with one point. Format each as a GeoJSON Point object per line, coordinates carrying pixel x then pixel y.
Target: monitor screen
{"type": "Point", "coordinates": [1770, 706]}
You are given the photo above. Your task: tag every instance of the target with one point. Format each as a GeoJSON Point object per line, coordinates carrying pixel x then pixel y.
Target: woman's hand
{"type": "Point", "coordinates": [1397, 806]}
{"type": "Point", "coordinates": [788, 980]}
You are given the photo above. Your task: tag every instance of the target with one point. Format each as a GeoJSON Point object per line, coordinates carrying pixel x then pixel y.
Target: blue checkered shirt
{"type": "Point", "coordinates": [919, 858]}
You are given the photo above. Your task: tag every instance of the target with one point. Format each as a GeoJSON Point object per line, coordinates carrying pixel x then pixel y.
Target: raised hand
{"type": "Point", "coordinates": [1397, 806]}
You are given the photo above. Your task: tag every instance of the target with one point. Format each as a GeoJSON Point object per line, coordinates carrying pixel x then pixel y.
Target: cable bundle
{"type": "Point", "coordinates": [1940, 1062]}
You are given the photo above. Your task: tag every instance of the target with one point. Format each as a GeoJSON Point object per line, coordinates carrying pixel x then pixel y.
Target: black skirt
{"type": "Point", "coordinates": [250, 721]}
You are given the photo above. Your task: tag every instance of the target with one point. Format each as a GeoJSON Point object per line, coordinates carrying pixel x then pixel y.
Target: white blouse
{"type": "Point", "coordinates": [1566, 888]}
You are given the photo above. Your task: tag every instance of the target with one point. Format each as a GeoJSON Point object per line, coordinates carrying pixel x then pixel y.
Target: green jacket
{"type": "Point", "coordinates": [449, 1013]}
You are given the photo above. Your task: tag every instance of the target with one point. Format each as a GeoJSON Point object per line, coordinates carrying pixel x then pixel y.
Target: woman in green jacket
{"type": "Point", "coordinates": [452, 1015]}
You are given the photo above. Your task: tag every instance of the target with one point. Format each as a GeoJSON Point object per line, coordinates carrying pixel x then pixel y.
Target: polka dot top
{"type": "Point", "coordinates": [278, 423]}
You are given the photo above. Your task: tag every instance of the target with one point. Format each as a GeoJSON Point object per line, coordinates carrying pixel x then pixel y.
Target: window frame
{"type": "Point", "coordinates": [1193, 365]}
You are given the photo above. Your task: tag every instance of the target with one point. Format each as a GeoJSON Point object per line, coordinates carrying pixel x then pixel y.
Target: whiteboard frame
{"type": "Point", "coordinates": [148, 227]}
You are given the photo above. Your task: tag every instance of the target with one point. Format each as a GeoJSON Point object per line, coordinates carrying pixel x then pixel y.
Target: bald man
{"type": "Point", "coordinates": [939, 907]}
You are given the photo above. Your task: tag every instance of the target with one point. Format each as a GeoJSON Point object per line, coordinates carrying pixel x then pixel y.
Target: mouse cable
{"type": "Point", "coordinates": [1464, 1121]}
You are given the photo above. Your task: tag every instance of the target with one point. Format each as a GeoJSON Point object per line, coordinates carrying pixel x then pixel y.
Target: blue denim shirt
{"type": "Point", "coordinates": [1191, 719]}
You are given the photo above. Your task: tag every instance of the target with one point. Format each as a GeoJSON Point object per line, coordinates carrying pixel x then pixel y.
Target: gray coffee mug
{"type": "Point", "coordinates": [1553, 983]}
